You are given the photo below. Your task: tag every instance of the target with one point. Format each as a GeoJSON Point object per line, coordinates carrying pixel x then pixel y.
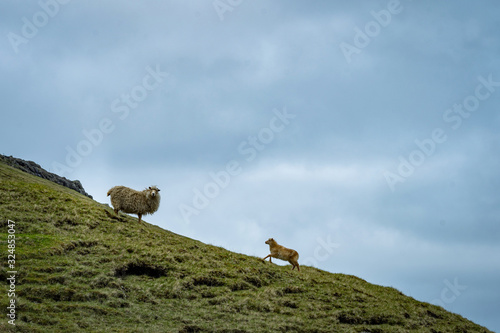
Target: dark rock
{"type": "Point", "coordinates": [36, 170]}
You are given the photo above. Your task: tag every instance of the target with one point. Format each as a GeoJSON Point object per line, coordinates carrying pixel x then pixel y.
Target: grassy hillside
{"type": "Point", "coordinates": [80, 268]}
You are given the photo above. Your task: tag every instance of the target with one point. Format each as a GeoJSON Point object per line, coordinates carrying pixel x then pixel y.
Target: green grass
{"type": "Point", "coordinates": [80, 268]}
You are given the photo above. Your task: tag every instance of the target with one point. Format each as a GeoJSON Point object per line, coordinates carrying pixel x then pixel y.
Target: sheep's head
{"type": "Point", "coordinates": [270, 241]}
{"type": "Point", "coordinates": [154, 191]}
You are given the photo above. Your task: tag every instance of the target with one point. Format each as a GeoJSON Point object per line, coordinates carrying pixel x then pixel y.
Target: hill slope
{"type": "Point", "coordinates": [35, 169]}
{"type": "Point", "coordinates": [80, 268]}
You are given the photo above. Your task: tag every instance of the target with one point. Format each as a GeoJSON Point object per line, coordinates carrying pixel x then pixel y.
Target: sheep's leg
{"type": "Point", "coordinates": [116, 211]}
{"type": "Point", "coordinates": [140, 215]}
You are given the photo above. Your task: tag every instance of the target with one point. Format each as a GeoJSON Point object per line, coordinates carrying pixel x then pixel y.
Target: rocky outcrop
{"type": "Point", "coordinates": [35, 169]}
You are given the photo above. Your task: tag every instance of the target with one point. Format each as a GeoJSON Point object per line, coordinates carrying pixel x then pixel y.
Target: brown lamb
{"type": "Point", "coordinates": [283, 253]}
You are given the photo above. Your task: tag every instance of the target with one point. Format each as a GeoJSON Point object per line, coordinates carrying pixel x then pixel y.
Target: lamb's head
{"type": "Point", "coordinates": [270, 241]}
{"type": "Point", "coordinates": [153, 192]}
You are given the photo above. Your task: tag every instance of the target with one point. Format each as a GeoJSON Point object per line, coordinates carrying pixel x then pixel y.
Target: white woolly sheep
{"type": "Point", "coordinates": [135, 202]}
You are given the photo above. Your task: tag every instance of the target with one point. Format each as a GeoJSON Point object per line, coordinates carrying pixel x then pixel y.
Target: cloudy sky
{"type": "Point", "coordinates": [364, 135]}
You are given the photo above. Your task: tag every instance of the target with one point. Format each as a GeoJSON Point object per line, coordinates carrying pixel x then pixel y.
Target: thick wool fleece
{"type": "Point", "coordinates": [135, 202]}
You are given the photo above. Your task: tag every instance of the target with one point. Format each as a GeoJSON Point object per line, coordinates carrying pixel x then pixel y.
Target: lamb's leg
{"type": "Point", "coordinates": [268, 256]}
